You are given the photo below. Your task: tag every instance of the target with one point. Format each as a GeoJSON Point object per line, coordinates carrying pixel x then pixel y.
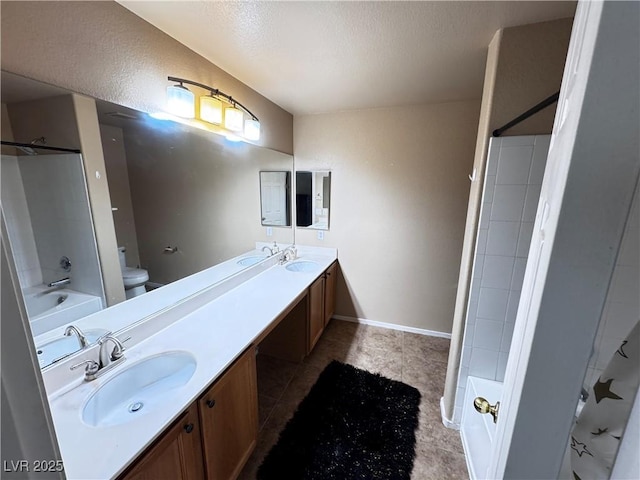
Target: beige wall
{"type": "Point", "coordinates": [399, 192]}
{"type": "Point", "coordinates": [103, 50]}
{"type": "Point", "coordinates": [524, 66]}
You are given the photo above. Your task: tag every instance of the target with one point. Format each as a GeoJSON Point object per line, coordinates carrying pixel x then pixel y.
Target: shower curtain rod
{"type": "Point", "coordinates": [42, 147]}
{"type": "Point", "coordinates": [533, 110]}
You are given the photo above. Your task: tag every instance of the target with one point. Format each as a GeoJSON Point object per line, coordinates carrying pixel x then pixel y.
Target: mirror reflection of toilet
{"type": "Point", "coordinates": [133, 278]}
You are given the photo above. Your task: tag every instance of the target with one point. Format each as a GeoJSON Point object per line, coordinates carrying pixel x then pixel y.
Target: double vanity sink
{"type": "Point", "coordinates": [170, 362]}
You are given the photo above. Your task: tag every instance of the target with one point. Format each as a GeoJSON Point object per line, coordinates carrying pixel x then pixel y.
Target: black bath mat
{"type": "Point", "coordinates": [352, 425]}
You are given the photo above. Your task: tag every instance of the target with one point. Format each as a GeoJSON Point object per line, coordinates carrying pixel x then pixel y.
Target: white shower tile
{"type": "Point", "coordinates": [497, 272]}
{"type": "Point", "coordinates": [508, 202]}
{"type": "Point", "coordinates": [493, 155]}
{"type": "Point", "coordinates": [531, 203]}
{"type": "Point", "coordinates": [488, 334]}
{"type": "Point", "coordinates": [489, 189]}
{"type": "Point", "coordinates": [485, 214]}
{"type": "Point", "coordinates": [518, 140]}
{"type": "Point", "coordinates": [540, 152]}
{"type": "Point", "coordinates": [507, 336]}
{"type": "Point", "coordinates": [468, 335]}
{"type": "Point", "coordinates": [524, 239]}
{"type": "Point", "coordinates": [493, 303]}
{"type": "Point", "coordinates": [477, 266]}
{"type": "Point", "coordinates": [465, 359]}
{"type": "Point", "coordinates": [502, 238]}
{"type": "Point", "coordinates": [512, 306]}
{"type": "Point", "coordinates": [501, 368]}
{"type": "Point", "coordinates": [519, 268]}
{"type": "Point", "coordinates": [483, 363]}
{"type": "Point", "coordinates": [481, 244]}
{"type": "Point", "coordinates": [514, 165]}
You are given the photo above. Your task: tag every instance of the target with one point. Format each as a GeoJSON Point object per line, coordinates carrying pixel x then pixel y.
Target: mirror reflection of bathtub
{"type": "Point", "coordinates": [51, 308]}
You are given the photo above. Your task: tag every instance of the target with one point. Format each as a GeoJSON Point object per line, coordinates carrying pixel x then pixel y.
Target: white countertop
{"type": "Point", "coordinates": [215, 334]}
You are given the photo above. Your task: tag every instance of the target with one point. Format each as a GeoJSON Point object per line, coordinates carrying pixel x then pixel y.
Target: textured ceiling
{"type": "Point", "coordinates": [315, 57]}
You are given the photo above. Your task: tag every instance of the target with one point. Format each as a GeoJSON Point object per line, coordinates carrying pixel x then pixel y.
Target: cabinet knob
{"type": "Point", "coordinates": [188, 428]}
{"type": "Point", "coordinates": [211, 403]}
{"type": "Point", "coordinates": [328, 274]}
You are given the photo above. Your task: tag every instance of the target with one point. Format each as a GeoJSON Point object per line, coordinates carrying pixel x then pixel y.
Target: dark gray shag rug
{"type": "Point", "coordinates": [352, 425]}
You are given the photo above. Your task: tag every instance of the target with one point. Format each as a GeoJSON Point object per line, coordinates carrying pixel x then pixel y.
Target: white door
{"type": "Point", "coordinates": [591, 172]}
{"type": "Point", "coordinates": [273, 191]}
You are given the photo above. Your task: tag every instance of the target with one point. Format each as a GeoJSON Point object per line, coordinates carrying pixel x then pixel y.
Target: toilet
{"type": "Point", "coordinates": [133, 278]}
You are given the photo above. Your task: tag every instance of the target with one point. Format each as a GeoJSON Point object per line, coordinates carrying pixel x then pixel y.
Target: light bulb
{"type": "Point", "coordinates": [233, 119]}
{"type": "Point", "coordinates": [180, 101]}
{"type": "Point", "coordinates": [252, 129]}
{"type": "Point", "coordinates": [211, 110]}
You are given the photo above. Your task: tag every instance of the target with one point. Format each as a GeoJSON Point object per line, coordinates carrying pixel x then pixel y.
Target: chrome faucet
{"type": "Point", "coordinates": [289, 253]}
{"type": "Point", "coordinates": [59, 283]}
{"type": "Point", "coordinates": [71, 330]}
{"type": "Point", "coordinates": [107, 357]}
{"type": "Point", "coordinates": [272, 250]}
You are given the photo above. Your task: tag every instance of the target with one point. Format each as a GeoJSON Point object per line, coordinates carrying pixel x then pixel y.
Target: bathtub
{"type": "Point", "coordinates": [49, 309]}
{"type": "Point", "coordinates": [478, 431]}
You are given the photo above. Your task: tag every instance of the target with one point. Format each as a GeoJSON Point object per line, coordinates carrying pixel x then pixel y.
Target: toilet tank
{"type": "Point", "coordinates": [121, 257]}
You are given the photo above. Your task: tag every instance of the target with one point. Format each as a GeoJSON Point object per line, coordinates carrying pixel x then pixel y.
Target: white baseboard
{"type": "Point", "coordinates": [445, 421]}
{"type": "Point", "coordinates": [393, 326]}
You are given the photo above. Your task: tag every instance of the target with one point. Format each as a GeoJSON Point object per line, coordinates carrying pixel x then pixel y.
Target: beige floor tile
{"type": "Point", "coordinates": [433, 349]}
{"type": "Point", "coordinates": [417, 360]}
{"type": "Point", "coordinates": [273, 375]}
{"type": "Point", "coordinates": [437, 464]}
{"type": "Point", "coordinates": [265, 406]}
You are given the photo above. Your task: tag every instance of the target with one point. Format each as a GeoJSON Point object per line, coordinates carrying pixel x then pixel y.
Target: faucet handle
{"type": "Point", "coordinates": [91, 368]}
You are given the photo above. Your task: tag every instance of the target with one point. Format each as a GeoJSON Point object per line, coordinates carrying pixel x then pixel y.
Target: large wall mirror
{"type": "Point", "coordinates": [313, 199]}
{"type": "Point", "coordinates": [182, 200]}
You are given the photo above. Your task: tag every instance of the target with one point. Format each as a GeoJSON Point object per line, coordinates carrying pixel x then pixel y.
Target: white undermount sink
{"type": "Point", "coordinates": [302, 266]}
{"type": "Point", "coordinates": [252, 260]}
{"type": "Point", "coordinates": [138, 389]}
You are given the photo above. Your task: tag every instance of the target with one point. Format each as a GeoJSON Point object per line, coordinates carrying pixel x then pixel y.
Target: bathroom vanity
{"type": "Point", "coordinates": [183, 403]}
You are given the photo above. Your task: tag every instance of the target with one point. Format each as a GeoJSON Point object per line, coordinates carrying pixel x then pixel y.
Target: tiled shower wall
{"type": "Point", "coordinates": [18, 220]}
{"type": "Point", "coordinates": [515, 167]}
{"type": "Point", "coordinates": [54, 187]}
{"type": "Point", "coordinates": [622, 306]}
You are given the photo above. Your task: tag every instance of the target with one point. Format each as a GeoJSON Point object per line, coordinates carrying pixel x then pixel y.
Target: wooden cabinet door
{"type": "Point", "coordinates": [316, 311]}
{"type": "Point", "coordinates": [229, 419]}
{"type": "Point", "coordinates": [330, 292]}
{"type": "Point", "coordinates": [176, 455]}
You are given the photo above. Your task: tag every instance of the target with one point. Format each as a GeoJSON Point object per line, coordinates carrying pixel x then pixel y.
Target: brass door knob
{"type": "Point", "coordinates": [483, 406]}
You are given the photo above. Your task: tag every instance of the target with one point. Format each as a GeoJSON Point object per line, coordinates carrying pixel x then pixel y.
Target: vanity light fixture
{"type": "Point", "coordinates": [180, 101]}
{"type": "Point", "coordinates": [211, 109]}
{"type": "Point", "coordinates": [237, 118]}
{"type": "Point", "coordinates": [233, 118]}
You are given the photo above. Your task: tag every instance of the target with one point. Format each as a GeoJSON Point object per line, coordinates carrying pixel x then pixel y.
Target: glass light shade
{"type": "Point", "coordinates": [181, 102]}
{"type": "Point", "coordinates": [233, 119]}
{"type": "Point", "coordinates": [211, 110]}
{"type": "Point", "coordinates": [252, 129]}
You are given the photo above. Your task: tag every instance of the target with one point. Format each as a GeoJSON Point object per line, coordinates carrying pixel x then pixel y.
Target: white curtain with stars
{"type": "Point", "coordinates": [596, 436]}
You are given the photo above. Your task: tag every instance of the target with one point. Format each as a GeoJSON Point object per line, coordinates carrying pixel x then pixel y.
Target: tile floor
{"type": "Point", "coordinates": [418, 360]}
